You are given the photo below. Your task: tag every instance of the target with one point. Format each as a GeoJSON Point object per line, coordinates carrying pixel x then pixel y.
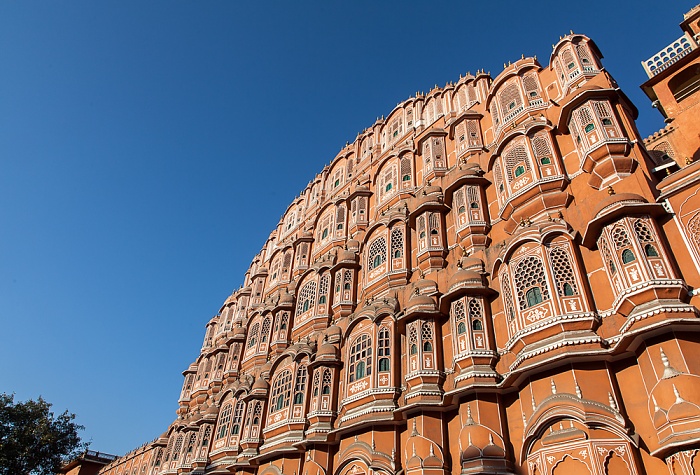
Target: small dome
{"type": "Point", "coordinates": [334, 333]}
{"type": "Point", "coordinates": [432, 190]}
{"type": "Point", "coordinates": [260, 384]}
{"type": "Point", "coordinates": [418, 300]}
{"type": "Point", "coordinates": [617, 198]}
{"type": "Point", "coordinates": [465, 277]}
{"type": "Point", "coordinates": [477, 440]}
{"type": "Point", "coordinates": [327, 350]}
{"type": "Point", "coordinates": [286, 298]}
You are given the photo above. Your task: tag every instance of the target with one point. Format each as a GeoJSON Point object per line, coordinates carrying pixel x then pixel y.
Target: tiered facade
{"type": "Point", "coordinates": [488, 281]}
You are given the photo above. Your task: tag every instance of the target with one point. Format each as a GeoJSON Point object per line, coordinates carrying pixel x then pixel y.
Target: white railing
{"type": "Point", "coordinates": [669, 55]}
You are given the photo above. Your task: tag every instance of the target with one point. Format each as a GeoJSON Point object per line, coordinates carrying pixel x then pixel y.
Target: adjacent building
{"type": "Point", "coordinates": [500, 277]}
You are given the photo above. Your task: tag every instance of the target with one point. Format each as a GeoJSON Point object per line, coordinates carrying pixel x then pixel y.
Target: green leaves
{"type": "Point", "coordinates": [34, 441]}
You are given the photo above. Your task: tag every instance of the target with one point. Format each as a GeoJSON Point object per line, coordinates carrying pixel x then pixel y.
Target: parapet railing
{"type": "Point", "coordinates": [669, 55]}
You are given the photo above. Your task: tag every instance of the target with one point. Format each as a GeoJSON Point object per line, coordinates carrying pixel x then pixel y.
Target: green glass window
{"type": "Point", "coordinates": [589, 128]}
{"type": "Point", "coordinates": [627, 256]}
{"type": "Point", "coordinates": [519, 170]}
{"type": "Point", "coordinates": [545, 161]}
{"type": "Point", "coordinates": [533, 296]}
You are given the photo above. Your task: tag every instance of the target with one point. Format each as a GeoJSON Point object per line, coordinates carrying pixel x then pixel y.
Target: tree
{"type": "Point", "coordinates": [33, 441]}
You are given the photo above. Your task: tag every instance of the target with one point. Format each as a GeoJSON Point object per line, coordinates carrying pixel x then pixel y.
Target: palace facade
{"type": "Point", "coordinates": [500, 277]}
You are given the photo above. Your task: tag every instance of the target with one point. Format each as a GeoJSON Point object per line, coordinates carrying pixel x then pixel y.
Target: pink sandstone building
{"type": "Point", "coordinates": [500, 277]}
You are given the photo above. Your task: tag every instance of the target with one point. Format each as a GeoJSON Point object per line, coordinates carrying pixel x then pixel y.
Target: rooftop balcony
{"type": "Point", "coordinates": [669, 55]}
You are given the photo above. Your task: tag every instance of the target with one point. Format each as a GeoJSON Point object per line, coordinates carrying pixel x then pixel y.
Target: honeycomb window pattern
{"type": "Point", "coordinates": [529, 274]}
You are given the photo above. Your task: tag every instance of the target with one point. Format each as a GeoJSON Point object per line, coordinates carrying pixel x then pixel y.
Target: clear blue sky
{"type": "Point", "coordinates": [147, 149]}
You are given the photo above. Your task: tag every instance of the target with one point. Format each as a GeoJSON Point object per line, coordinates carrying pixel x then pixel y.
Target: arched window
{"type": "Point", "coordinates": [396, 243]}
{"type": "Point", "coordinates": [627, 256]}
{"type": "Point", "coordinates": [519, 170]}
{"type": "Point", "coordinates": [531, 282]}
{"type": "Point", "coordinates": [253, 334]}
{"type": "Point", "coordinates": [237, 418]}
{"type": "Point", "coordinates": [281, 391]}
{"type": "Point", "coordinates": [360, 358]}
{"type": "Point", "coordinates": [307, 297]}
{"type": "Point", "coordinates": [650, 251]}
{"type": "Point", "coordinates": [476, 325]}
{"type": "Point", "coordinates": [560, 260]}
{"type": "Point", "coordinates": [300, 385]}
{"type": "Point", "coordinates": [427, 336]}
{"type": "Point", "coordinates": [534, 296]}
{"type": "Point", "coordinates": [383, 349]}
{"type": "Point", "coordinates": [224, 419]}
{"type": "Point", "coordinates": [377, 253]}
{"type": "Point", "coordinates": [326, 381]}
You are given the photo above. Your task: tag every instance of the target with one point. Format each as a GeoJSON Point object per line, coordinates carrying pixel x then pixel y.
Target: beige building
{"type": "Point", "coordinates": [497, 278]}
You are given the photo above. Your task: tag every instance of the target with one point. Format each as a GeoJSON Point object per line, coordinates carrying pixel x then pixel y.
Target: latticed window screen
{"type": "Point", "coordinates": [531, 85]}
{"type": "Point", "coordinates": [603, 110]}
{"type": "Point", "coordinates": [459, 316]}
{"type": "Point", "coordinates": [224, 419]}
{"type": "Point", "coordinates": [473, 132]}
{"type": "Point", "coordinates": [584, 118]}
{"type": "Point", "coordinates": [494, 113]}
{"type": "Point", "coordinates": [383, 343]}
{"type": "Point", "coordinates": [510, 98]}
{"type": "Point", "coordinates": [541, 147]}
{"type": "Point", "coordinates": [584, 55]}
{"type": "Point", "coordinates": [300, 384]}
{"type": "Point", "coordinates": [426, 332]}
{"type": "Point", "coordinates": [664, 148]}
{"type": "Point", "coordinates": [307, 297]}
{"type": "Point", "coordinates": [237, 418]}
{"type": "Point", "coordinates": [253, 334]}
{"type": "Point", "coordinates": [529, 273]}
{"type": "Point", "coordinates": [568, 58]}
{"type": "Point", "coordinates": [362, 206]}
{"type": "Point", "coordinates": [461, 134]}
{"type": "Point", "coordinates": [287, 262]}
{"type": "Point", "coordinates": [317, 382]}
{"type": "Point", "coordinates": [421, 227]}
{"type": "Point", "coordinates": [265, 330]}
{"type": "Point", "coordinates": [460, 101]}
{"type": "Point", "coordinates": [255, 413]}
{"type": "Point", "coordinates": [327, 380]}
{"type": "Point", "coordinates": [206, 437]}
{"type": "Point", "coordinates": [347, 280]}
{"type": "Point", "coordinates": [460, 205]}
{"type": "Point", "coordinates": [644, 233]}
{"type": "Point", "coordinates": [323, 288]}
{"type": "Point", "coordinates": [178, 447]}
{"type": "Point", "coordinates": [694, 229]}
{"type": "Point", "coordinates": [428, 155]}
{"type": "Point", "coordinates": [396, 243]}
{"type": "Point", "coordinates": [406, 169]}
{"type": "Point", "coordinates": [498, 175]}
{"type": "Point", "coordinates": [281, 391]}
{"type": "Point", "coordinates": [413, 339]}
{"type": "Point", "coordinates": [340, 217]}
{"type": "Point", "coordinates": [564, 277]}
{"type": "Point", "coordinates": [473, 195]}
{"type": "Point", "coordinates": [476, 310]}
{"type": "Point", "coordinates": [360, 358]}
{"type": "Point", "coordinates": [377, 253]}
{"type": "Point", "coordinates": [303, 251]}
{"type": "Point", "coordinates": [514, 156]}
{"type": "Point", "coordinates": [434, 223]}
{"type": "Point", "coordinates": [619, 237]}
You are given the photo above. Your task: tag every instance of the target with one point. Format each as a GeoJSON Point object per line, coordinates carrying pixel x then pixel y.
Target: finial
{"type": "Point", "coordinates": [612, 402]}
{"type": "Point", "coordinates": [669, 371]}
{"type": "Point", "coordinates": [415, 429]}
{"type": "Point", "coordinates": [432, 452]}
{"type": "Point", "coordinates": [611, 191]}
{"type": "Point", "coordinates": [656, 406]}
{"type": "Point", "coordinates": [522, 56]}
{"type": "Point", "coordinates": [679, 399]}
{"type": "Point", "coordinates": [470, 419]}
{"type": "Point", "coordinates": [534, 405]}
{"type": "Point", "coordinates": [688, 160]}
{"type": "Point", "coordinates": [554, 386]}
